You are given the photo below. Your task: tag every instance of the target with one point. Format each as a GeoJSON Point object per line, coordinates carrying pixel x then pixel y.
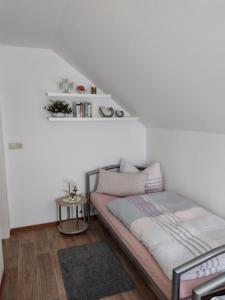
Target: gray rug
{"type": "Point", "coordinates": [92, 271]}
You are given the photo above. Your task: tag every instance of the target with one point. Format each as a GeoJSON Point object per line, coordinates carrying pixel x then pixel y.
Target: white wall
{"type": "Point", "coordinates": [4, 209]}
{"type": "Point", "coordinates": [52, 151]}
{"type": "Point", "coordinates": [4, 213]}
{"type": "Point", "coordinates": [193, 164]}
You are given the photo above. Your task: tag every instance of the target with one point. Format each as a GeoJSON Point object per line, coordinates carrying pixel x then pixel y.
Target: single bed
{"type": "Point", "coordinates": [147, 265]}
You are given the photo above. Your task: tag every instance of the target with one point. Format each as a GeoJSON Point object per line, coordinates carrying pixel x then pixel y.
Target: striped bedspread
{"type": "Point", "coordinates": [174, 229]}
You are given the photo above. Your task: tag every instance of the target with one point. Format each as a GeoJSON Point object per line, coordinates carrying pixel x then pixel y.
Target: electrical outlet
{"type": "Point", "coordinates": [15, 146]}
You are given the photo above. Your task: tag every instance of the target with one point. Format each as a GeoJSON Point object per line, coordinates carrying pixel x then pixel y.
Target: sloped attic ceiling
{"type": "Point", "coordinates": [163, 60]}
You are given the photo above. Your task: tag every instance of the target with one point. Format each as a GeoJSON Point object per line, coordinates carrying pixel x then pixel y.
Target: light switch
{"type": "Point", "coordinates": [15, 146]}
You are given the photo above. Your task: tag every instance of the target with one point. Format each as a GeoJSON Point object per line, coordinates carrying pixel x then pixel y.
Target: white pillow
{"type": "Point", "coordinates": [126, 167]}
{"type": "Point", "coordinates": [118, 184]}
{"type": "Point", "coordinates": [154, 179]}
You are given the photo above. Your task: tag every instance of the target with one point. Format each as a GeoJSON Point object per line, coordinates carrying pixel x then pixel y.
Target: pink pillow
{"type": "Point", "coordinates": [154, 179]}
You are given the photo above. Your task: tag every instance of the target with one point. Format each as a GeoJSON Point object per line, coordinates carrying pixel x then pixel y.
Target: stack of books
{"type": "Point", "coordinates": [83, 110]}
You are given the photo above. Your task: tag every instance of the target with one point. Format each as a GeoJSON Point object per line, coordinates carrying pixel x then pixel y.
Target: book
{"type": "Point", "coordinates": [83, 110]}
{"type": "Point", "coordinates": [78, 110]}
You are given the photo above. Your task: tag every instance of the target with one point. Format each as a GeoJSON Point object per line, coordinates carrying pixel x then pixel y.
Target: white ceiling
{"type": "Point", "coordinates": [163, 60]}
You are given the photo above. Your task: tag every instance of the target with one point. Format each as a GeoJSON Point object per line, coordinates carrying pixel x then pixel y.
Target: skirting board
{"type": "Point", "coordinates": [36, 226]}
{"type": "Point", "coordinates": [33, 227]}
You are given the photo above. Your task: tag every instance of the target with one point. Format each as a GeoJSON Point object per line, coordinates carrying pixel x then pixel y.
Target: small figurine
{"type": "Point", "coordinates": [80, 89]}
{"type": "Point", "coordinates": [106, 112]}
{"type": "Point", "coordinates": [73, 193]}
{"type": "Point", "coordinates": [119, 113]}
{"type": "Point", "coordinates": [66, 85]}
{"type": "Point", "coordinates": [93, 90]}
{"type": "Point", "coordinates": [71, 190]}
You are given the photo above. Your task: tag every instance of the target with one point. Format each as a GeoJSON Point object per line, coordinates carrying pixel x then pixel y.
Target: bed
{"type": "Point", "coordinates": [141, 257]}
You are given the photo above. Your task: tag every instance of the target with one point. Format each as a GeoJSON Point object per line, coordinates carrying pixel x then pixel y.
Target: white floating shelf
{"type": "Point", "coordinates": [93, 119]}
{"type": "Point", "coordinates": [77, 95]}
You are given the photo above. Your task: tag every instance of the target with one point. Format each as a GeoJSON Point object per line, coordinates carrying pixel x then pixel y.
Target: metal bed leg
{"type": "Point", "coordinates": [87, 210]}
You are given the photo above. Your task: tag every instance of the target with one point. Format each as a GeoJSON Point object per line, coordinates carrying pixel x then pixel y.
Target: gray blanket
{"type": "Point", "coordinates": [174, 229]}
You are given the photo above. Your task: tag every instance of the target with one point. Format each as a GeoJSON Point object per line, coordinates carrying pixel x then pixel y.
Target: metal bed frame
{"type": "Point", "coordinates": [198, 293]}
{"type": "Point", "coordinates": [207, 290]}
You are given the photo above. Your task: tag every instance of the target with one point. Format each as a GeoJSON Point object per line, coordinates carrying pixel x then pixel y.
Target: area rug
{"type": "Point", "coordinates": [92, 271]}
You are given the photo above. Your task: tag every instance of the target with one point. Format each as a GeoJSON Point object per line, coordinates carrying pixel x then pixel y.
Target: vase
{"type": "Point", "coordinates": [58, 115]}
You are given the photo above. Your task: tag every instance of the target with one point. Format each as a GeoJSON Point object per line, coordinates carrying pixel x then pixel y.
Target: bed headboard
{"type": "Point", "coordinates": [91, 185]}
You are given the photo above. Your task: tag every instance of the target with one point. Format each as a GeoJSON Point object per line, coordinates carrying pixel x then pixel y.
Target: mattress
{"type": "Point", "coordinates": [144, 258]}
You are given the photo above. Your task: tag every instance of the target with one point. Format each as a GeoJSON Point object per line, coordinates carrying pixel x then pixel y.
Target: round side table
{"type": "Point", "coordinates": [73, 224]}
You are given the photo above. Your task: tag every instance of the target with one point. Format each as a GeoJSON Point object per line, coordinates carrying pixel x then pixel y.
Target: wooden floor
{"type": "Point", "coordinates": [32, 269]}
